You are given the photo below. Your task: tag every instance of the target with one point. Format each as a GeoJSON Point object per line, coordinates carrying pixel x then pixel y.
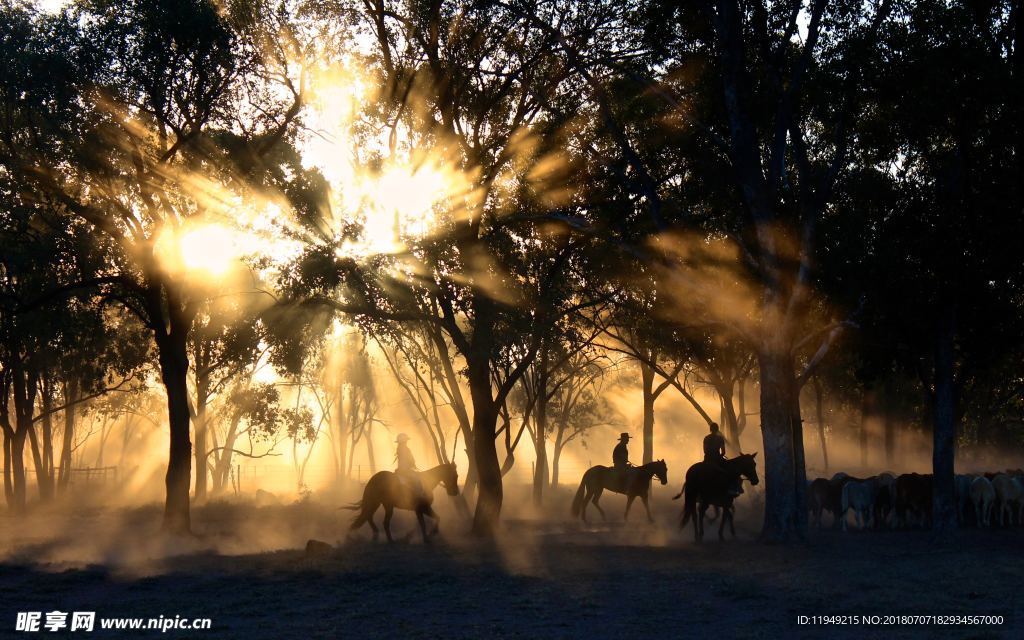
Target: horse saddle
{"type": "Point", "coordinates": [622, 478]}
{"type": "Point", "coordinates": [734, 488]}
{"type": "Point", "coordinates": [411, 482]}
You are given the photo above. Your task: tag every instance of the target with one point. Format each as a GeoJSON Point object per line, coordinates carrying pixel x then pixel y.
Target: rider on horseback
{"type": "Point", "coordinates": [620, 458]}
{"type": "Point", "coordinates": [714, 446]}
{"type": "Point", "coordinates": [405, 467]}
{"type": "Point", "coordinates": [714, 454]}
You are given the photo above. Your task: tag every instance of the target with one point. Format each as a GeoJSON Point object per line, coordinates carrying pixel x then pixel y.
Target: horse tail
{"type": "Point", "coordinates": [680, 494]}
{"type": "Point", "coordinates": [355, 506]}
{"type": "Point", "coordinates": [577, 502]}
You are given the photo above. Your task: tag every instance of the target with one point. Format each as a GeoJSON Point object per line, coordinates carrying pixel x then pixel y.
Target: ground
{"type": "Point", "coordinates": [548, 578]}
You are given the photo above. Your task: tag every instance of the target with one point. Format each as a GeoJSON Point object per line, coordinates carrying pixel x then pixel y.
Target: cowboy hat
{"type": "Point", "coordinates": [623, 436]}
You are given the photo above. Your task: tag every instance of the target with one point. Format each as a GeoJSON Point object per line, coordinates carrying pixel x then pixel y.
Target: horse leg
{"type": "Point", "coordinates": [629, 503]}
{"type": "Point", "coordinates": [597, 496]}
{"type": "Point", "coordinates": [703, 508]}
{"type": "Point", "coordinates": [721, 525]}
{"type": "Point", "coordinates": [373, 526]}
{"type": "Point", "coordinates": [389, 510]}
{"type": "Point", "coordinates": [588, 498]}
{"type": "Point", "coordinates": [429, 510]}
{"type": "Point", "coordinates": [423, 525]}
{"type": "Point", "coordinates": [647, 507]}
{"type": "Point", "coordinates": [365, 517]}
{"type": "Point", "coordinates": [732, 524]}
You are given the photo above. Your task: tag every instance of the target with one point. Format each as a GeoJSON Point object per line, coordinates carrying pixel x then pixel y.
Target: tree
{"type": "Point", "coordinates": [225, 340]}
{"type": "Point", "coordinates": [578, 405]}
{"type": "Point", "coordinates": [941, 184]}
{"type": "Point", "coordinates": [139, 150]}
{"type": "Point", "coordinates": [252, 412]}
{"type": "Point", "coordinates": [477, 100]}
{"type": "Point", "coordinates": [781, 109]}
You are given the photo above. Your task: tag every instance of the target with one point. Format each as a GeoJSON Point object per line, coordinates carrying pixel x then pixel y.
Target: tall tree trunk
{"type": "Point", "coordinates": [540, 473]}
{"type": "Point", "coordinates": [819, 416]}
{"type": "Point", "coordinates": [458, 406]}
{"type": "Point", "coordinates": [25, 386]}
{"type": "Point", "coordinates": [784, 514]}
{"type": "Point", "coordinates": [485, 425]}
{"type": "Point", "coordinates": [730, 421]}
{"type": "Point", "coordinates": [8, 479]}
{"type": "Point", "coordinates": [202, 392]}
{"type": "Point", "coordinates": [39, 466]}
{"type": "Point", "coordinates": [174, 371]}
{"type": "Point", "coordinates": [369, 447]}
{"type": "Point", "coordinates": [888, 425]}
{"type": "Point", "coordinates": [741, 406]}
{"type": "Point", "coordinates": [944, 512]}
{"type": "Point", "coordinates": [472, 477]}
{"type": "Point", "coordinates": [68, 437]}
{"type": "Point", "coordinates": [491, 493]}
{"type": "Point", "coordinates": [18, 501]}
{"type": "Point", "coordinates": [222, 466]}
{"type": "Point", "coordinates": [342, 433]}
{"type": "Point", "coordinates": [647, 378]}
{"type": "Point", "coordinates": [889, 430]}
{"type": "Point", "coordinates": [555, 458]}
{"type": "Point", "coordinates": [47, 479]}
{"type": "Point", "coordinates": [868, 404]}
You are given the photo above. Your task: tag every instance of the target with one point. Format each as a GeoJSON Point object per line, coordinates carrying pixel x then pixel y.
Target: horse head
{"type": "Point", "coordinates": [450, 479]}
{"type": "Point", "coordinates": [748, 466]}
{"type": "Point", "coordinates": [660, 470]}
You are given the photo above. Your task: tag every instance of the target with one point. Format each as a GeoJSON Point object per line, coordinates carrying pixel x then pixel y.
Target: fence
{"type": "Point", "coordinates": [82, 476]}
{"type": "Point", "coordinates": [88, 476]}
{"type": "Point", "coordinates": [275, 477]}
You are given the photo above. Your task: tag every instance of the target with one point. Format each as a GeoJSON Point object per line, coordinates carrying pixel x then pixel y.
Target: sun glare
{"type": "Point", "coordinates": [205, 250]}
{"type": "Point", "coordinates": [209, 248]}
{"type": "Point", "coordinates": [400, 203]}
{"type": "Point", "coordinates": [396, 200]}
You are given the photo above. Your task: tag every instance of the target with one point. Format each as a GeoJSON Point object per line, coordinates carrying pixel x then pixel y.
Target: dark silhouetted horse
{"type": "Point", "coordinates": [709, 484]}
{"type": "Point", "coordinates": [387, 489]}
{"type": "Point", "coordinates": [913, 496]}
{"type": "Point", "coordinates": [817, 499]}
{"type": "Point", "coordinates": [635, 483]}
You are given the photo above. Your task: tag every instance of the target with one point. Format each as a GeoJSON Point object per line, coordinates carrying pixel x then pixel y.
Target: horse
{"type": "Point", "coordinates": [962, 484]}
{"type": "Point", "coordinates": [858, 495]}
{"type": "Point", "coordinates": [913, 495]}
{"type": "Point", "coordinates": [387, 489]}
{"type": "Point", "coordinates": [884, 498]}
{"type": "Point", "coordinates": [708, 484]}
{"type": "Point", "coordinates": [1009, 496]}
{"type": "Point", "coordinates": [983, 497]}
{"type": "Point", "coordinates": [835, 496]}
{"type": "Point", "coordinates": [635, 483]}
{"type": "Point", "coordinates": [817, 498]}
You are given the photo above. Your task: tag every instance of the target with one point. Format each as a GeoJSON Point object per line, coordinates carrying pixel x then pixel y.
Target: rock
{"type": "Point", "coordinates": [318, 548]}
{"type": "Point", "coordinates": [266, 499]}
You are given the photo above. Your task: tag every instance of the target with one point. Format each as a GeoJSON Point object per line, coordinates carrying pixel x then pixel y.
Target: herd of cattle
{"type": "Point", "coordinates": [891, 501]}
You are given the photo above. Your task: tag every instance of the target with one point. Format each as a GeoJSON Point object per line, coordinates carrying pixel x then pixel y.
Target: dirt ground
{"type": "Point", "coordinates": [248, 571]}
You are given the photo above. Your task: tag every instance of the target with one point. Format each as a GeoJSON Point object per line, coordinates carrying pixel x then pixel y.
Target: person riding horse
{"type": "Point", "coordinates": [714, 453]}
{"type": "Point", "coordinates": [620, 458]}
{"type": "Point", "coordinates": [405, 466]}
